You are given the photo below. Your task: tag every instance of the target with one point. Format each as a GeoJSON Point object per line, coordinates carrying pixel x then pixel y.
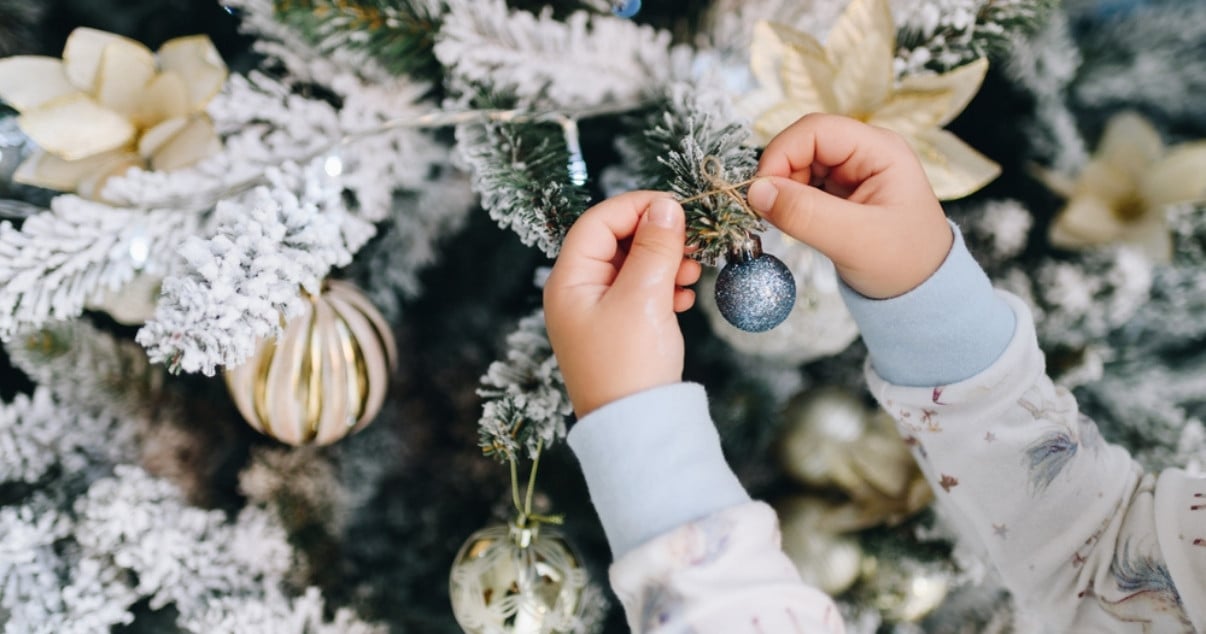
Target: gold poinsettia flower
{"type": "Point", "coordinates": [1121, 195]}
{"type": "Point", "coordinates": [111, 104]}
{"type": "Point", "coordinates": [852, 74]}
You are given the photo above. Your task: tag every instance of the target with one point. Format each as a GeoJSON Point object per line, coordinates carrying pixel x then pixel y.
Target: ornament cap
{"type": "Point", "coordinates": [748, 250]}
{"type": "Point", "coordinates": [523, 536]}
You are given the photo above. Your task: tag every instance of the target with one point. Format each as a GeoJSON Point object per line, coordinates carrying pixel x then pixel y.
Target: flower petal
{"type": "Point", "coordinates": [198, 63]}
{"type": "Point", "coordinates": [166, 98]}
{"type": "Point", "coordinates": [193, 142]}
{"type": "Point", "coordinates": [157, 137]}
{"type": "Point", "coordinates": [955, 170]}
{"type": "Point", "coordinates": [122, 78]}
{"type": "Point", "coordinates": [1130, 144]}
{"type": "Point", "coordinates": [1178, 177]}
{"type": "Point", "coordinates": [46, 170]}
{"type": "Point", "coordinates": [808, 77]}
{"type": "Point", "coordinates": [28, 81]}
{"type": "Point", "coordinates": [93, 184]}
{"type": "Point", "coordinates": [75, 127]}
{"type": "Point", "coordinates": [82, 54]}
{"type": "Point", "coordinates": [961, 84]}
{"type": "Point", "coordinates": [1086, 221]}
{"type": "Point", "coordinates": [912, 113]}
{"type": "Point", "coordinates": [775, 120]}
{"type": "Point", "coordinates": [861, 47]}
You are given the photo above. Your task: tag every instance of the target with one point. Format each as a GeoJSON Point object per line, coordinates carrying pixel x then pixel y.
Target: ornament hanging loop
{"type": "Point", "coordinates": [526, 523]}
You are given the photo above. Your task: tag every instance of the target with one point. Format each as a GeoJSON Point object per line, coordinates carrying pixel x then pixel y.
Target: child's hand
{"type": "Point", "coordinates": [870, 208]}
{"type": "Point", "coordinates": [611, 299]}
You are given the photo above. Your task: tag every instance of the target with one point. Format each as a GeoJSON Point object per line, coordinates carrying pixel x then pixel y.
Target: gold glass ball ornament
{"type": "Point", "coordinates": [832, 440]}
{"type": "Point", "coordinates": [325, 377]}
{"type": "Point", "coordinates": [517, 580]}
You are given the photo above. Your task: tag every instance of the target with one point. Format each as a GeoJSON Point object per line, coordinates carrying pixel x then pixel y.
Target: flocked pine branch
{"type": "Point", "coordinates": [942, 34]}
{"type": "Point", "coordinates": [670, 152]}
{"type": "Point", "coordinates": [179, 555]}
{"type": "Point", "coordinates": [1046, 63]}
{"type": "Point", "coordinates": [63, 257]}
{"type": "Point", "coordinates": [539, 61]}
{"type": "Point", "coordinates": [1171, 319]}
{"type": "Point", "coordinates": [525, 399]}
{"type": "Point", "coordinates": [303, 59]}
{"type": "Point", "coordinates": [239, 284]}
{"type": "Point", "coordinates": [522, 173]}
{"type": "Point", "coordinates": [1153, 59]}
{"type": "Point", "coordinates": [278, 614]}
{"type": "Point", "coordinates": [397, 34]}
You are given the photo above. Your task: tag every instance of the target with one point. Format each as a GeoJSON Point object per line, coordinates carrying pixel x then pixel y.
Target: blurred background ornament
{"type": "Point", "coordinates": [755, 291]}
{"type": "Point", "coordinates": [905, 590]}
{"type": "Point", "coordinates": [111, 104]}
{"type": "Point", "coordinates": [509, 579]}
{"type": "Point", "coordinates": [832, 440]}
{"type": "Point", "coordinates": [1122, 195]}
{"type": "Point", "coordinates": [817, 326]}
{"type": "Point", "coordinates": [816, 538]}
{"type": "Point", "coordinates": [325, 377]}
{"type": "Point", "coordinates": [853, 74]}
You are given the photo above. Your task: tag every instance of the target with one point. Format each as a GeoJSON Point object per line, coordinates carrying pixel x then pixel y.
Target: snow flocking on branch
{"type": "Point", "coordinates": [585, 61]}
{"type": "Point", "coordinates": [525, 399]}
{"type": "Point", "coordinates": [61, 258]}
{"type": "Point", "coordinates": [243, 280]}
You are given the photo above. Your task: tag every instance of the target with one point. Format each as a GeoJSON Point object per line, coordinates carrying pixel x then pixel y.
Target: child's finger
{"type": "Point", "coordinates": [841, 149]}
{"type": "Point", "coordinates": [829, 224]}
{"type": "Point", "coordinates": [656, 253]}
{"type": "Point", "coordinates": [688, 273]}
{"type": "Point", "coordinates": [684, 299]}
{"type": "Point", "coordinates": [590, 249]}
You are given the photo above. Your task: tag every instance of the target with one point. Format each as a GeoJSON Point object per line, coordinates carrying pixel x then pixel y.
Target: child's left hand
{"type": "Point", "coordinates": [611, 299]}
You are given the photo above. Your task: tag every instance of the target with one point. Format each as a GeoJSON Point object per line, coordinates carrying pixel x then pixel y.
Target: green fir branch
{"type": "Point", "coordinates": [400, 34]}
{"type": "Point", "coordinates": [668, 155]}
{"type": "Point", "coordinates": [997, 26]}
{"type": "Point", "coordinates": [522, 173]}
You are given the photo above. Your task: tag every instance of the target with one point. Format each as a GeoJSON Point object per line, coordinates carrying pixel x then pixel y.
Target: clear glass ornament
{"type": "Point", "coordinates": [509, 579]}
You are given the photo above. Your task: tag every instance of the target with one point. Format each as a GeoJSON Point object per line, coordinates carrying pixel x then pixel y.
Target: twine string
{"type": "Point", "coordinates": [713, 171]}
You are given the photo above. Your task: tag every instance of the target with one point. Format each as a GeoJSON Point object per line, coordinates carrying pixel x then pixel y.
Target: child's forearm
{"type": "Point", "coordinates": [653, 462]}
{"type": "Point", "coordinates": [692, 551]}
{"type": "Point", "coordinates": [947, 329]}
{"type": "Point", "coordinates": [1080, 535]}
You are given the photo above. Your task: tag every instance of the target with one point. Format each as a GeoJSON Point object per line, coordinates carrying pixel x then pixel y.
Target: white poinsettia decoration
{"type": "Point", "coordinates": [852, 74]}
{"type": "Point", "coordinates": [1121, 194]}
{"type": "Point", "coordinates": [111, 104]}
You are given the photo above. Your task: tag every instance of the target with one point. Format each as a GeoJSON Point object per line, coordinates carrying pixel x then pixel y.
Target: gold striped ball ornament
{"type": "Point", "coordinates": [325, 377]}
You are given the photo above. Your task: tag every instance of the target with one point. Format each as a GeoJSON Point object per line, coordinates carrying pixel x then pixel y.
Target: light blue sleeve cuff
{"type": "Point", "coordinates": [653, 462]}
{"type": "Point", "coordinates": [946, 330]}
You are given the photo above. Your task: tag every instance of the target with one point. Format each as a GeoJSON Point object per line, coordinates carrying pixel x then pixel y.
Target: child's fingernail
{"type": "Point", "coordinates": [663, 212]}
{"type": "Point", "coordinates": [762, 195]}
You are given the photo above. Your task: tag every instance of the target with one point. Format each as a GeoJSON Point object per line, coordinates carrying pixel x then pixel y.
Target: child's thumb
{"type": "Point", "coordinates": [808, 214]}
{"type": "Point", "coordinates": [657, 249]}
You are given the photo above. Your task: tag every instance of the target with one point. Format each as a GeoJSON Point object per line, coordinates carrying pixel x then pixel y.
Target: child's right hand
{"type": "Point", "coordinates": [859, 195]}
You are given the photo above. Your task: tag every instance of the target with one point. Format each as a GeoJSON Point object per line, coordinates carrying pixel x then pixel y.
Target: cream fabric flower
{"type": "Point", "coordinates": [852, 75]}
{"type": "Point", "coordinates": [111, 104]}
{"type": "Point", "coordinates": [1121, 195]}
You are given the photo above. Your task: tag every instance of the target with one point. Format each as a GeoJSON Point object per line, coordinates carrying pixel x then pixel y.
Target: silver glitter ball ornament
{"type": "Point", "coordinates": [755, 291]}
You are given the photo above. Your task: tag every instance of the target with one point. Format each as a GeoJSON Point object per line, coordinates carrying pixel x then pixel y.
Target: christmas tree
{"type": "Point", "coordinates": [270, 281]}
